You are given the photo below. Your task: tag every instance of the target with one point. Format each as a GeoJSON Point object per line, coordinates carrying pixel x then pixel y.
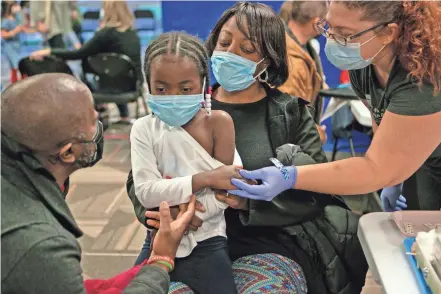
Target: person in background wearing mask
{"type": "Point", "coordinates": [306, 77]}
{"type": "Point", "coordinates": [392, 50]}
{"type": "Point", "coordinates": [39, 151]}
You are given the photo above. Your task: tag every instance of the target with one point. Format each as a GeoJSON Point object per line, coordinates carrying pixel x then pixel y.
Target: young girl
{"type": "Point", "coordinates": [11, 28]}
{"type": "Point", "coordinates": [180, 140]}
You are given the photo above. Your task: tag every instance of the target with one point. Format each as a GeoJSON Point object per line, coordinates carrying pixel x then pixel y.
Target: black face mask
{"type": "Point", "coordinates": [66, 187]}
{"type": "Point", "coordinates": [98, 140]}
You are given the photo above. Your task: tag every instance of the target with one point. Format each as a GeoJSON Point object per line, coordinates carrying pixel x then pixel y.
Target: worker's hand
{"type": "Point", "coordinates": [39, 54]}
{"type": "Point", "coordinates": [274, 182]}
{"type": "Point", "coordinates": [171, 231]}
{"type": "Point", "coordinates": [233, 201]}
{"type": "Point", "coordinates": [392, 200]}
{"type": "Point", "coordinates": [153, 217]}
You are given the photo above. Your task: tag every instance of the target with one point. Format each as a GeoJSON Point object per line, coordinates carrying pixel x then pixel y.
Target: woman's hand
{"type": "Point", "coordinates": [233, 201]}
{"type": "Point", "coordinates": [171, 231]}
{"type": "Point", "coordinates": [274, 182]}
{"type": "Point", "coordinates": [38, 55]}
{"type": "Point", "coordinates": [153, 217]}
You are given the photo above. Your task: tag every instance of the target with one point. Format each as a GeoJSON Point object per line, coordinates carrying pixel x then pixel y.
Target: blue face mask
{"type": "Point", "coordinates": [175, 110]}
{"type": "Point", "coordinates": [233, 72]}
{"type": "Point", "coordinates": [347, 57]}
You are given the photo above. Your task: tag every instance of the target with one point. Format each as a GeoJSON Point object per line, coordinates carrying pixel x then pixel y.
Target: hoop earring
{"type": "Point", "coordinates": [208, 104]}
{"type": "Point", "coordinates": [265, 80]}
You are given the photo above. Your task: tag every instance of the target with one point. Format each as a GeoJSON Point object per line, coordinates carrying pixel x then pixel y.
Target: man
{"type": "Point", "coordinates": [49, 130]}
{"type": "Point", "coordinates": [305, 70]}
{"type": "Point", "coordinates": [53, 19]}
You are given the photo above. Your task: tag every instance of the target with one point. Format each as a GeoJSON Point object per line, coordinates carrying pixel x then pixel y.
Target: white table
{"type": "Point", "coordinates": [382, 244]}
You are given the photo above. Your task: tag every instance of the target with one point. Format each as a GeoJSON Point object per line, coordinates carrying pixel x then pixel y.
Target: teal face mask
{"type": "Point", "coordinates": [233, 72]}
{"type": "Point", "coordinates": [175, 110]}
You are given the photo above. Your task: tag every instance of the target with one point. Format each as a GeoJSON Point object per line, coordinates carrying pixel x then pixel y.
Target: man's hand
{"type": "Point", "coordinates": [153, 217]}
{"type": "Point", "coordinates": [171, 231]}
{"type": "Point", "coordinates": [231, 200]}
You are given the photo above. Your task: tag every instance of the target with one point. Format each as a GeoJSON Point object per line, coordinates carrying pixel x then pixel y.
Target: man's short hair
{"type": "Point", "coordinates": [303, 11]}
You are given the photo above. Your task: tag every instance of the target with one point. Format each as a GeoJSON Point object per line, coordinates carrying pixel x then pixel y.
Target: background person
{"type": "Point", "coordinates": [53, 20]}
{"type": "Point", "coordinates": [306, 76]}
{"type": "Point", "coordinates": [395, 68]}
{"type": "Point", "coordinates": [116, 35]}
{"type": "Point", "coordinates": [11, 27]}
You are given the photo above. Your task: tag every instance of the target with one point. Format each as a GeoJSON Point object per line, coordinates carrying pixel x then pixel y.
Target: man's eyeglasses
{"type": "Point", "coordinates": [98, 136]}
{"type": "Point", "coordinates": [323, 28]}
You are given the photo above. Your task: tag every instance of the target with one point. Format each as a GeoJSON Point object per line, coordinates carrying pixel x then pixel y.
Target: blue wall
{"type": "Point", "coordinates": [199, 17]}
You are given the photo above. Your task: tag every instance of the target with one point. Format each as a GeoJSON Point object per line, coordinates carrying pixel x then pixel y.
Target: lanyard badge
{"type": "Point", "coordinates": [281, 168]}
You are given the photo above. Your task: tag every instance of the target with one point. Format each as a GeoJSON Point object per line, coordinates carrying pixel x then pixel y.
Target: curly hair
{"type": "Point", "coordinates": [419, 43]}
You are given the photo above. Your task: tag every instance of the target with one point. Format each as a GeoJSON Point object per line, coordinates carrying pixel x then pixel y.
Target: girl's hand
{"type": "Point", "coordinates": [220, 178]}
{"type": "Point", "coordinates": [153, 217]}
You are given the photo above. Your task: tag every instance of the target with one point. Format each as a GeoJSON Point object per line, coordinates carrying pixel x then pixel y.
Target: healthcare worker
{"type": "Point", "coordinates": [393, 52]}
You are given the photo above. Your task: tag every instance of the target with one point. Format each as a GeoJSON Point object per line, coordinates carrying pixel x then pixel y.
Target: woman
{"type": "Point", "coordinates": [393, 52]}
{"type": "Point", "coordinates": [116, 35]}
{"type": "Point", "coordinates": [248, 53]}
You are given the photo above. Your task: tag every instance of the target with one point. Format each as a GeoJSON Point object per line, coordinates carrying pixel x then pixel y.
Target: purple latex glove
{"type": "Point", "coordinates": [391, 198]}
{"type": "Point", "coordinates": [274, 181]}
